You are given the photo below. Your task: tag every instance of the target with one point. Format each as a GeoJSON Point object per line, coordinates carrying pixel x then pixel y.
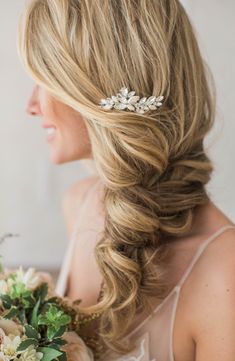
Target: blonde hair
{"type": "Point", "coordinates": [154, 166]}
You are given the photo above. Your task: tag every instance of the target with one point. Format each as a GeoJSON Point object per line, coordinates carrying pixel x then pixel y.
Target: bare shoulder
{"type": "Point", "coordinates": [212, 301]}
{"type": "Point", "coordinates": [72, 200]}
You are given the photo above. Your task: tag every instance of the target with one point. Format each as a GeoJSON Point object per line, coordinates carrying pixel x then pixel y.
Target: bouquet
{"type": "Point", "coordinates": [36, 325]}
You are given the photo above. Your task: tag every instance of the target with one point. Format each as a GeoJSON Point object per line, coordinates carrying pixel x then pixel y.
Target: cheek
{"type": "Point", "coordinates": [76, 131]}
{"type": "Point", "coordinates": [51, 109]}
{"type": "Point", "coordinates": [72, 141]}
{"type": "Point", "coordinates": [69, 121]}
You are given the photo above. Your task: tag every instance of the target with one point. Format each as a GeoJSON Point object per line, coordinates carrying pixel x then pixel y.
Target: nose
{"type": "Point", "coordinates": [33, 105]}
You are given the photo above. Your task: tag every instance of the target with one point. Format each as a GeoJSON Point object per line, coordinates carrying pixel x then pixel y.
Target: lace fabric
{"type": "Point", "coordinates": [140, 352]}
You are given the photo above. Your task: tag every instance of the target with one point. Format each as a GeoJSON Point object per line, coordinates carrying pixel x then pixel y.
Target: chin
{"type": "Point", "coordinates": [57, 158]}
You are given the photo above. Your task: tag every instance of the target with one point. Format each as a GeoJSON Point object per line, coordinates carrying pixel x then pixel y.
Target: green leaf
{"type": "Point", "coordinates": [60, 332]}
{"type": "Point", "coordinates": [43, 291]}
{"type": "Point", "coordinates": [54, 317]}
{"type": "Point", "coordinates": [6, 300]}
{"type": "Point", "coordinates": [34, 317]}
{"type": "Point", "coordinates": [51, 331]}
{"type": "Point", "coordinates": [12, 313]}
{"type": "Point", "coordinates": [25, 303]}
{"type": "Point", "coordinates": [29, 301]}
{"type": "Point", "coordinates": [62, 357]}
{"type": "Point", "coordinates": [18, 290]}
{"type": "Point", "coordinates": [26, 343]}
{"type": "Point", "coordinates": [31, 332]}
{"type": "Point", "coordinates": [21, 316]}
{"type": "Point", "coordinates": [42, 320]}
{"type": "Point", "coordinates": [49, 354]}
{"type": "Point", "coordinates": [59, 341]}
{"type": "Point", "coordinates": [64, 320]}
{"type": "Point", "coordinates": [55, 346]}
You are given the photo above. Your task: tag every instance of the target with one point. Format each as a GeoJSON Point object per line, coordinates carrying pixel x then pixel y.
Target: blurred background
{"type": "Point", "coordinates": [31, 188]}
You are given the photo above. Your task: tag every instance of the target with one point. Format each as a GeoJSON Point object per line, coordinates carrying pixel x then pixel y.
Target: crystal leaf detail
{"type": "Point", "coordinates": [129, 100]}
{"type": "Point", "coordinates": [131, 94]}
{"type": "Point", "coordinates": [133, 99]}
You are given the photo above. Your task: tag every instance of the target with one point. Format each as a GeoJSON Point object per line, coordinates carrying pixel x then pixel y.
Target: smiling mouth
{"type": "Point", "coordinates": [51, 132]}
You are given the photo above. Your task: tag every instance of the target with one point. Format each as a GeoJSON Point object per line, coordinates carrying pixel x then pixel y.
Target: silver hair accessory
{"type": "Point", "coordinates": [128, 100]}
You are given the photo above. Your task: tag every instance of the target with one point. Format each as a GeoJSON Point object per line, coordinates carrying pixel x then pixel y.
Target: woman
{"type": "Point", "coordinates": [145, 226]}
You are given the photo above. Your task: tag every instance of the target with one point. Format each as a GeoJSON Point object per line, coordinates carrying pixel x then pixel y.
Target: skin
{"type": "Point", "coordinates": [204, 326]}
{"type": "Point", "coordinates": [71, 141]}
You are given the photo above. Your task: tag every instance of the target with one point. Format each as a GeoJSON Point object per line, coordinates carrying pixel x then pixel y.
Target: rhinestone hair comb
{"type": "Point", "coordinates": [129, 100]}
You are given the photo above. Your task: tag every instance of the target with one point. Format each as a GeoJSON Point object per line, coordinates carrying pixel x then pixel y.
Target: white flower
{"type": "Point", "coordinates": [30, 354]}
{"type": "Point", "coordinates": [9, 339]}
{"type": "Point", "coordinates": [3, 287]}
{"type": "Point", "coordinates": [29, 278]}
{"type": "Point", "coordinates": [4, 357]}
{"type": "Point", "coordinates": [9, 345]}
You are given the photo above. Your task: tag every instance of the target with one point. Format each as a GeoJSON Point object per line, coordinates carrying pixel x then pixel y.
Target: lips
{"type": "Point", "coordinates": [51, 130]}
{"type": "Point", "coordinates": [48, 126]}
